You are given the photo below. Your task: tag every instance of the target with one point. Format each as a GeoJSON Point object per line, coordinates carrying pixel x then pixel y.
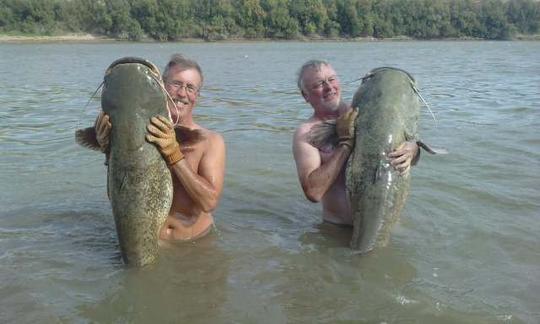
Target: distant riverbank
{"type": "Point", "coordinates": [52, 39]}
{"type": "Point", "coordinates": [90, 38]}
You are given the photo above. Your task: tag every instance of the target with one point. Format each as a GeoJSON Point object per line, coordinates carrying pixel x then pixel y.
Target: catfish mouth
{"type": "Point", "coordinates": [383, 68]}
{"type": "Point", "coordinates": [154, 73]}
{"type": "Point", "coordinates": [137, 60]}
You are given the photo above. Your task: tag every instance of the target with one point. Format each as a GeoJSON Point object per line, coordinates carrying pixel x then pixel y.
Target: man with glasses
{"type": "Point", "coordinates": [321, 169]}
{"type": "Point", "coordinates": [198, 167]}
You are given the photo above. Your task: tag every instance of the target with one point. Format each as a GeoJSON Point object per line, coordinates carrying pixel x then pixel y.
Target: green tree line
{"type": "Point", "coordinates": [170, 20]}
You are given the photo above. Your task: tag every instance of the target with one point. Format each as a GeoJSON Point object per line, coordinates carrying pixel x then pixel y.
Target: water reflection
{"type": "Point", "coordinates": [187, 285]}
{"type": "Point", "coordinates": [326, 236]}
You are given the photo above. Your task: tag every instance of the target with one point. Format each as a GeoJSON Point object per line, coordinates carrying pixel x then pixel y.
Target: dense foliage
{"type": "Point", "coordinates": [276, 19]}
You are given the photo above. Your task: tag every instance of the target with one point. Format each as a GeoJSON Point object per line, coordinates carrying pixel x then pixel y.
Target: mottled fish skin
{"type": "Point", "coordinates": [388, 114]}
{"type": "Point", "coordinates": [139, 182]}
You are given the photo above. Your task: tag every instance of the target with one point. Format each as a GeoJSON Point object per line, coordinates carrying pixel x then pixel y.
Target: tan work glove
{"type": "Point", "coordinates": [345, 128]}
{"type": "Point", "coordinates": [103, 127]}
{"type": "Point", "coordinates": [161, 133]}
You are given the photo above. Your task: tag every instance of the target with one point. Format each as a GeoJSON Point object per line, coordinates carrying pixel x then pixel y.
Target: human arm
{"type": "Point", "coordinates": [204, 184]}
{"type": "Point", "coordinates": [315, 176]}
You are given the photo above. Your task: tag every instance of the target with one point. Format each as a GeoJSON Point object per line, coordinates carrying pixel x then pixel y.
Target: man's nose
{"type": "Point", "coordinates": [326, 85]}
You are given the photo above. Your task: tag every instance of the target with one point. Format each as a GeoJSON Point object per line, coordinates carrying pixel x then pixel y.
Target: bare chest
{"type": "Point", "coordinates": [193, 155]}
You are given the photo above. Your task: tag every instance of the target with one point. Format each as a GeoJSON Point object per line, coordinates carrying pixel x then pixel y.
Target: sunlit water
{"type": "Point", "coordinates": [465, 251]}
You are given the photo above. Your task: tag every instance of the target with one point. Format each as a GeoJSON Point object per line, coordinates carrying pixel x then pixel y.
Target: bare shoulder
{"type": "Point", "coordinates": [212, 165]}
{"type": "Point", "coordinates": [213, 137]}
{"type": "Point", "coordinates": [306, 156]}
{"type": "Point", "coordinates": [214, 140]}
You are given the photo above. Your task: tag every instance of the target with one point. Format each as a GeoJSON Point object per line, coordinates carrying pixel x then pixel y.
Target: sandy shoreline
{"type": "Point", "coordinates": [89, 38]}
{"type": "Point", "coordinates": [51, 39]}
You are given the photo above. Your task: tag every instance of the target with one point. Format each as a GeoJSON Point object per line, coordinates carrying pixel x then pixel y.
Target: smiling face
{"type": "Point", "coordinates": [321, 88]}
{"type": "Point", "coordinates": [183, 86]}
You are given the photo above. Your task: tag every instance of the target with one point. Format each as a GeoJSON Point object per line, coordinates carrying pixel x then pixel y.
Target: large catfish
{"type": "Point", "coordinates": [389, 107]}
{"type": "Point", "coordinates": [139, 182]}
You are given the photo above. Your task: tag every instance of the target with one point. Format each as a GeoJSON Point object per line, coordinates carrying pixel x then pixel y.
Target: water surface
{"type": "Point", "coordinates": [465, 250]}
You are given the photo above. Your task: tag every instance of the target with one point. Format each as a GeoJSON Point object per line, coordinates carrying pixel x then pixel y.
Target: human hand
{"type": "Point", "coordinates": [345, 128]}
{"type": "Point", "coordinates": [161, 133]}
{"type": "Point", "coordinates": [103, 127]}
{"type": "Point", "coordinates": [402, 157]}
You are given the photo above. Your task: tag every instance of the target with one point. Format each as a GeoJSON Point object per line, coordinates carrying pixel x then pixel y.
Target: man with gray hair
{"type": "Point", "coordinates": [321, 169]}
{"type": "Point", "coordinates": [197, 166]}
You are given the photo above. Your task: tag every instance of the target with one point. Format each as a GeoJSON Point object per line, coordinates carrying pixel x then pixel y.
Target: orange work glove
{"type": "Point", "coordinates": [345, 128]}
{"type": "Point", "coordinates": [161, 133]}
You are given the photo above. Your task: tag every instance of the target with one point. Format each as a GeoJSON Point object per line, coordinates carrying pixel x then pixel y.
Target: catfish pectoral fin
{"type": "Point", "coordinates": [431, 150]}
{"type": "Point", "coordinates": [188, 136]}
{"type": "Point", "coordinates": [323, 134]}
{"type": "Point", "coordinates": [87, 138]}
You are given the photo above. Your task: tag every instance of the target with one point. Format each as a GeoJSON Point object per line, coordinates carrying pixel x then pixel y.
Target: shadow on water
{"type": "Point", "coordinates": [325, 236]}
{"type": "Point", "coordinates": [328, 282]}
{"type": "Point", "coordinates": [66, 266]}
{"type": "Point", "coordinates": [188, 284]}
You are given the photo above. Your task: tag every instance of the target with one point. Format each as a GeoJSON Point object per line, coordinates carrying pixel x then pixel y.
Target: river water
{"type": "Point", "coordinates": [466, 250]}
